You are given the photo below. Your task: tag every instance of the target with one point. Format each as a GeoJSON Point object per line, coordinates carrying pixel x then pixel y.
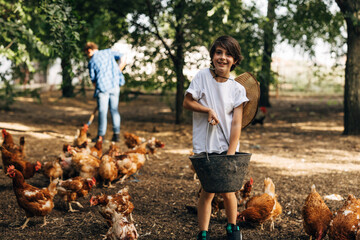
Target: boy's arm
{"type": "Point", "coordinates": [235, 131]}
{"type": "Point", "coordinates": [192, 105]}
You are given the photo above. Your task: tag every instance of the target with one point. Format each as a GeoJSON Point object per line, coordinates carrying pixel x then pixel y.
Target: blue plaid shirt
{"type": "Point", "coordinates": [104, 70]}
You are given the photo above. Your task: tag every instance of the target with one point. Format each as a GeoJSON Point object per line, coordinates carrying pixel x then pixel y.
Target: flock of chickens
{"type": "Point", "coordinates": [318, 220]}
{"type": "Point", "coordinates": [82, 167]}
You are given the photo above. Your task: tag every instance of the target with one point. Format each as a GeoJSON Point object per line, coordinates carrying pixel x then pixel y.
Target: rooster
{"type": "Point", "coordinates": [316, 215]}
{"type": "Point", "coordinates": [72, 189]}
{"type": "Point", "coordinates": [346, 221]}
{"type": "Point", "coordinates": [260, 116]}
{"type": "Point", "coordinates": [35, 201]}
{"type": "Point", "coordinates": [262, 208]}
{"type": "Point", "coordinates": [118, 202]}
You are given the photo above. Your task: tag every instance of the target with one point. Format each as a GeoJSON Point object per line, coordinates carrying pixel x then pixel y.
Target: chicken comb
{"type": "Point", "coordinates": [3, 132]}
{"type": "Point", "coordinates": [94, 180]}
{"type": "Point", "coordinates": [11, 167]}
{"type": "Point", "coordinates": [86, 127]}
{"type": "Point", "coordinates": [251, 181]}
{"type": "Point", "coordinates": [38, 163]}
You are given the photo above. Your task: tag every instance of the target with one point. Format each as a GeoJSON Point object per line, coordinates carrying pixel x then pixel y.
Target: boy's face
{"type": "Point", "coordinates": [89, 53]}
{"type": "Point", "coordinates": [222, 61]}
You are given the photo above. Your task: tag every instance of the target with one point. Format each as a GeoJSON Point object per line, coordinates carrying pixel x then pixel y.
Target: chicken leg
{"type": "Point", "coordinates": [25, 223]}
{"type": "Point", "coordinates": [44, 222]}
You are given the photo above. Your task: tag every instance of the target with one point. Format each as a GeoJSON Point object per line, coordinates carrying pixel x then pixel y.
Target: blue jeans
{"type": "Point", "coordinates": [104, 101]}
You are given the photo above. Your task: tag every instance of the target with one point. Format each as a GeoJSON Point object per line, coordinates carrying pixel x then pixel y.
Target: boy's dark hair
{"type": "Point", "coordinates": [231, 45]}
{"type": "Point", "coordinates": [90, 45]}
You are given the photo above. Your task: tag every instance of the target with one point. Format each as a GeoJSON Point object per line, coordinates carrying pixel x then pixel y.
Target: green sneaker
{"type": "Point", "coordinates": [233, 232]}
{"type": "Point", "coordinates": [203, 235]}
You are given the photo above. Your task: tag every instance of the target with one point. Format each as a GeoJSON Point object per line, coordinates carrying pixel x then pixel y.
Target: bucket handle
{"type": "Point", "coordinates": [207, 133]}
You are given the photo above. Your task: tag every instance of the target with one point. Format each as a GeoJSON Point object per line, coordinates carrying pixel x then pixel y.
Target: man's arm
{"type": "Point", "coordinates": [122, 63]}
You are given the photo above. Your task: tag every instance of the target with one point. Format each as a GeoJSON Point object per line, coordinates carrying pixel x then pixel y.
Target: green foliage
{"type": "Point", "coordinates": [305, 21]}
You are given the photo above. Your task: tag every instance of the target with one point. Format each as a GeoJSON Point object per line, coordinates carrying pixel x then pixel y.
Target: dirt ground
{"type": "Point", "coordinates": [300, 144]}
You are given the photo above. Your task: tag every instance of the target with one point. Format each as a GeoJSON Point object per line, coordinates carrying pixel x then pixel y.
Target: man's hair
{"type": "Point", "coordinates": [231, 45]}
{"type": "Point", "coordinates": [90, 45]}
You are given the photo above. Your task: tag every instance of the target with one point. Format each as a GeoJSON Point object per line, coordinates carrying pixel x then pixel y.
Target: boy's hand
{"type": "Point", "coordinates": [212, 118]}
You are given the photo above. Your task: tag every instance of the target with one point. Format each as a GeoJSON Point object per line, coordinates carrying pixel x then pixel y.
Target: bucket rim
{"type": "Point", "coordinates": [237, 154]}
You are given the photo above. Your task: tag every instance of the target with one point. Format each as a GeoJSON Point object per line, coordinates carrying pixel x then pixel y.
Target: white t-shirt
{"type": "Point", "coordinates": [222, 97]}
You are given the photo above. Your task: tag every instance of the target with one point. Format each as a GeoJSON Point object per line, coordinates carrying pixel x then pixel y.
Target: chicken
{"type": "Point", "coordinates": [129, 164]}
{"type": "Point", "coordinates": [9, 144]}
{"type": "Point", "coordinates": [262, 208]}
{"type": "Point", "coordinates": [81, 138]}
{"type": "Point", "coordinates": [121, 228]}
{"type": "Point", "coordinates": [113, 150]}
{"type": "Point", "coordinates": [53, 169]}
{"type": "Point", "coordinates": [316, 215]}
{"type": "Point", "coordinates": [85, 164]}
{"type": "Point", "coordinates": [132, 140]}
{"type": "Point", "coordinates": [260, 116]}
{"type": "Point", "coordinates": [118, 202]}
{"type": "Point", "coordinates": [35, 201]}
{"type": "Point", "coordinates": [346, 221]}
{"type": "Point", "coordinates": [26, 168]}
{"type": "Point", "coordinates": [242, 195]}
{"type": "Point", "coordinates": [10, 151]}
{"type": "Point", "coordinates": [96, 150]}
{"type": "Point", "coordinates": [131, 161]}
{"type": "Point", "coordinates": [72, 189]}
{"type": "Point", "coordinates": [108, 170]}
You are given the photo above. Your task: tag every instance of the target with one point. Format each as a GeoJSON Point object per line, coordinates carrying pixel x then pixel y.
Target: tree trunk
{"type": "Point", "coordinates": [179, 61]}
{"type": "Point", "coordinates": [66, 86]}
{"type": "Point", "coordinates": [265, 75]}
{"type": "Point", "coordinates": [350, 10]}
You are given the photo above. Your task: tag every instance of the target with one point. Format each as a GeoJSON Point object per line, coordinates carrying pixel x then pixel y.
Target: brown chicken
{"type": "Point", "coordinates": [26, 168]}
{"type": "Point", "coordinates": [262, 208]}
{"type": "Point", "coordinates": [53, 169]}
{"type": "Point", "coordinates": [131, 161]}
{"type": "Point", "coordinates": [81, 138]}
{"type": "Point", "coordinates": [132, 140]}
{"type": "Point", "coordinates": [11, 151]}
{"type": "Point", "coordinates": [35, 201]}
{"type": "Point", "coordinates": [316, 215]}
{"type": "Point", "coordinates": [121, 228]}
{"type": "Point", "coordinates": [242, 195]}
{"type": "Point", "coordinates": [72, 189]}
{"type": "Point", "coordinates": [84, 163]}
{"type": "Point", "coordinates": [346, 221]}
{"type": "Point", "coordinates": [9, 144]}
{"type": "Point", "coordinates": [96, 150]}
{"type": "Point", "coordinates": [108, 170]}
{"type": "Point", "coordinates": [118, 202]}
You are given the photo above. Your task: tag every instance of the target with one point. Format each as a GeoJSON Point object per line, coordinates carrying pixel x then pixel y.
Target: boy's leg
{"type": "Point", "coordinates": [230, 203]}
{"type": "Point", "coordinates": [103, 104]}
{"type": "Point", "coordinates": [204, 209]}
{"type": "Point", "coordinates": [115, 115]}
{"type": "Point", "coordinates": [232, 230]}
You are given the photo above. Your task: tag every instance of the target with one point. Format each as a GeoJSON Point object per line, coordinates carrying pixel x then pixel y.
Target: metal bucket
{"type": "Point", "coordinates": [220, 173]}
